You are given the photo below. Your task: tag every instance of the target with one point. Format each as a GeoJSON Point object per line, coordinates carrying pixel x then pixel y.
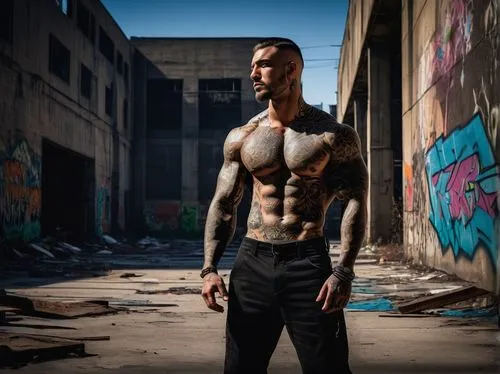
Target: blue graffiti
{"type": "Point", "coordinates": [463, 180]}
{"type": "Point", "coordinates": [103, 216]}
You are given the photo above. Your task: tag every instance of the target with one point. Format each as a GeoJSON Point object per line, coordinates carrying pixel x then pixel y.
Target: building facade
{"type": "Point", "coordinates": [189, 92]}
{"type": "Point", "coordinates": [444, 60]}
{"type": "Point", "coordinates": [65, 136]}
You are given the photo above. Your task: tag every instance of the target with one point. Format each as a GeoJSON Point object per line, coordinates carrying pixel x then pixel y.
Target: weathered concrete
{"type": "Point", "coordinates": [360, 118]}
{"type": "Point", "coordinates": [199, 150]}
{"type": "Point", "coordinates": [451, 142]}
{"type": "Point", "coordinates": [37, 105]}
{"type": "Point", "coordinates": [450, 68]}
{"type": "Point", "coordinates": [379, 152]}
{"type": "Point", "coordinates": [351, 55]}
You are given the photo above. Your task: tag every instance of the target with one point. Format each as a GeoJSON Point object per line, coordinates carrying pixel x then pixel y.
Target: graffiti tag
{"type": "Point", "coordinates": [463, 180]}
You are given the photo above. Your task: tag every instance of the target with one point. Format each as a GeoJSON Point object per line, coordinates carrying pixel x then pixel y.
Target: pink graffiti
{"type": "Point", "coordinates": [464, 191]}
{"type": "Point", "coordinates": [453, 38]}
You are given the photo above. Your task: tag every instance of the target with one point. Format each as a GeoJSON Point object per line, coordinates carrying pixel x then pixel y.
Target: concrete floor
{"type": "Point", "coordinates": [188, 338]}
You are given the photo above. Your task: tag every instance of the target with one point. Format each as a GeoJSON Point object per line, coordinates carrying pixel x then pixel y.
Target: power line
{"type": "Point", "coordinates": [322, 46]}
{"type": "Point", "coordinates": [323, 59]}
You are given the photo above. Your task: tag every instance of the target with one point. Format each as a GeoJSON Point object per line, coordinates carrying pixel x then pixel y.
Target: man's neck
{"type": "Point", "coordinates": [285, 110]}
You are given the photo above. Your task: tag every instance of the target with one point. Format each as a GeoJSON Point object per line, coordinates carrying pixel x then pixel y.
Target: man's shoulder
{"type": "Point", "coordinates": [342, 139]}
{"type": "Point", "coordinates": [235, 137]}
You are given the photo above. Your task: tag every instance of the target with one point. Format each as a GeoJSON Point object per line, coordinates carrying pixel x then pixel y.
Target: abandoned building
{"type": "Point", "coordinates": [428, 72]}
{"type": "Point", "coordinates": [101, 133]}
{"type": "Point", "coordinates": [65, 121]}
{"type": "Point", "coordinates": [189, 93]}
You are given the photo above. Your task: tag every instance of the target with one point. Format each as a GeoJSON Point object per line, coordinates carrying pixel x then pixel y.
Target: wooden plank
{"type": "Point", "coordinates": [397, 315]}
{"type": "Point", "coordinates": [35, 326]}
{"type": "Point", "coordinates": [16, 349]}
{"type": "Point", "coordinates": [81, 338]}
{"type": "Point", "coordinates": [56, 309]}
{"type": "Point", "coordinates": [441, 299]}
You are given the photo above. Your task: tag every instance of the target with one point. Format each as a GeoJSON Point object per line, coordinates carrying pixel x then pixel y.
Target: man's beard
{"type": "Point", "coordinates": [265, 94]}
{"type": "Point", "coordinates": [269, 91]}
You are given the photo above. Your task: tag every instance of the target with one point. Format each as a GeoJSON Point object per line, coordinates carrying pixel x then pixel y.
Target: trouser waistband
{"type": "Point", "coordinates": [287, 250]}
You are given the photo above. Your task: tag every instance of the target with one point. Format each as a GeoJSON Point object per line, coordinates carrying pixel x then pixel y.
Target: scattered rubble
{"type": "Point", "coordinates": [17, 349]}
{"type": "Point", "coordinates": [50, 257]}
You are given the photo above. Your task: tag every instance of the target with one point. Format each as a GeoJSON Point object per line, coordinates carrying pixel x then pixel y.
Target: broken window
{"type": "Point", "coordinates": [164, 103]}
{"type": "Point", "coordinates": [85, 21]}
{"type": "Point", "coordinates": [65, 6]}
{"type": "Point", "coordinates": [219, 103]}
{"type": "Point", "coordinates": [59, 59]}
{"type": "Point", "coordinates": [108, 100]}
{"type": "Point", "coordinates": [119, 62]}
{"type": "Point", "coordinates": [163, 171]}
{"type": "Point", "coordinates": [125, 114]}
{"type": "Point", "coordinates": [6, 18]}
{"type": "Point", "coordinates": [106, 45]}
{"type": "Point", "coordinates": [85, 81]}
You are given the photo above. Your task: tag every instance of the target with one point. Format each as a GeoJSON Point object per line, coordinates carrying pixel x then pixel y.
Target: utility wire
{"type": "Point", "coordinates": [322, 46]}
{"type": "Point", "coordinates": [322, 59]}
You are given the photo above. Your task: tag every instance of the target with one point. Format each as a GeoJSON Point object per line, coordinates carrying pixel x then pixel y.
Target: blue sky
{"type": "Point", "coordinates": [309, 23]}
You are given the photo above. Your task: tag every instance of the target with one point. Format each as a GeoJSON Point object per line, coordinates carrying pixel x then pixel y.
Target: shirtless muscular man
{"type": "Point", "coordinates": [300, 160]}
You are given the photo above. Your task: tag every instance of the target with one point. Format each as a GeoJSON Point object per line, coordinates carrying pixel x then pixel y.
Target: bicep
{"type": "Point", "coordinates": [230, 182]}
{"type": "Point", "coordinates": [349, 180]}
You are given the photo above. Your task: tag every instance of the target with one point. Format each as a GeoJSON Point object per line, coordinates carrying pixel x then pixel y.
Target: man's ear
{"type": "Point", "coordinates": [291, 67]}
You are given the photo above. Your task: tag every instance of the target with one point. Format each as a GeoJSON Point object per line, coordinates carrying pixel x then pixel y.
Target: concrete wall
{"type": "Point", "coordinates": [200, 151]}
{"type": "Point", "coordinates": [35, 104]}
{"type": "Point", "coordinates": [451, 114]}
{"type": "Point", "coordinates": [357, 22]}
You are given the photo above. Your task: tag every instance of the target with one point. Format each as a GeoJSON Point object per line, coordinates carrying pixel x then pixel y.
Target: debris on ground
{"type": "Point", "coordinates": [51, 257]}
{"type": "Point", "coordinates": [142, 303]}
{"type": "Point", "coordinates": [441, 299]}
{"type": "Point", "coordinates": [56, 309]}
{"type": "Point", "coordinates": [172, 290]}
{"type": "Point", "coordinates": [19, 349]}
{"type": "Point", "coordinates": [131, 275]}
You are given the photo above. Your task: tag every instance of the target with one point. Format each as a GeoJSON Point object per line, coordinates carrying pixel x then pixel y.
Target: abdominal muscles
{"type": "Point", "coordinates": [286, 206]}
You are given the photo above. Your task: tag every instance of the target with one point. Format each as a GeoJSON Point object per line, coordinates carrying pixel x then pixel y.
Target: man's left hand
{"type": "Point", "coordinates": [336, 294]}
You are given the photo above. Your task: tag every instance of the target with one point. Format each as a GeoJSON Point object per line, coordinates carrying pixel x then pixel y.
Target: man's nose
{"type": "Point", "coordinates": [255, 74]}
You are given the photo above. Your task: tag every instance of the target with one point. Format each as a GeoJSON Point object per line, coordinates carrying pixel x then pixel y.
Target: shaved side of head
{"type": "Point", "coordinates": [283, 44]}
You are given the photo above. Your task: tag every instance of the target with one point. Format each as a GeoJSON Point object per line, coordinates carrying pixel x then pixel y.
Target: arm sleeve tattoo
{"type": "Point", "coordinates": [221, 218]}
{"type": "Point", "coordinates": [353, 181]}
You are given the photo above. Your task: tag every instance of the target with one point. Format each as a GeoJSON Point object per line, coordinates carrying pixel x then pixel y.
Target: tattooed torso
{"type": "Point", "coordinates": [297, 170]}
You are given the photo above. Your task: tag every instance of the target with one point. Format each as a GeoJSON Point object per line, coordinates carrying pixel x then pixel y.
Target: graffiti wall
{"type": "Point", "coordinates": [103, 211]}
{"type": "Point", "coordinates": [20, 190]}
{"type": "Point", "coordinates": [451, 151]}
{"type": "Point", "coordinates": [162, 216]}
{"type": "Point", "coordinates": [171, 217]}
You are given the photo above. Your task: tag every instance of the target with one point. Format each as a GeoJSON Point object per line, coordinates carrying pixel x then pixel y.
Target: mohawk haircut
{"type": "Point", "coordinates": [281, 44]}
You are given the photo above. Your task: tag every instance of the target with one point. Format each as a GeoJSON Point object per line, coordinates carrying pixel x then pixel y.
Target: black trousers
{"type": "Point", "coordinates": [275, 286]}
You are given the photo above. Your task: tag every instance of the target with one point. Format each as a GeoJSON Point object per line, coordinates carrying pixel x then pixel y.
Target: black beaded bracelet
{"type": "Point", "coordinates": [344, 274]}
{"type": "Point", "coordinates": [208, 270]}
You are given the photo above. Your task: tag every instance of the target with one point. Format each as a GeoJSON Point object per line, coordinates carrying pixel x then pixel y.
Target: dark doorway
{"type": "Point", "coordinates": [68, 185]}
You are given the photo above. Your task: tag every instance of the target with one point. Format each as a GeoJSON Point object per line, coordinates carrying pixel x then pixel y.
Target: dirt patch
{"type": "Point", "coordinates": [172, 291]}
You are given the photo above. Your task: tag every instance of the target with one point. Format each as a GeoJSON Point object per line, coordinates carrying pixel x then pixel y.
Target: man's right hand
{"type": "Point", "coordinates": [212, 283]}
